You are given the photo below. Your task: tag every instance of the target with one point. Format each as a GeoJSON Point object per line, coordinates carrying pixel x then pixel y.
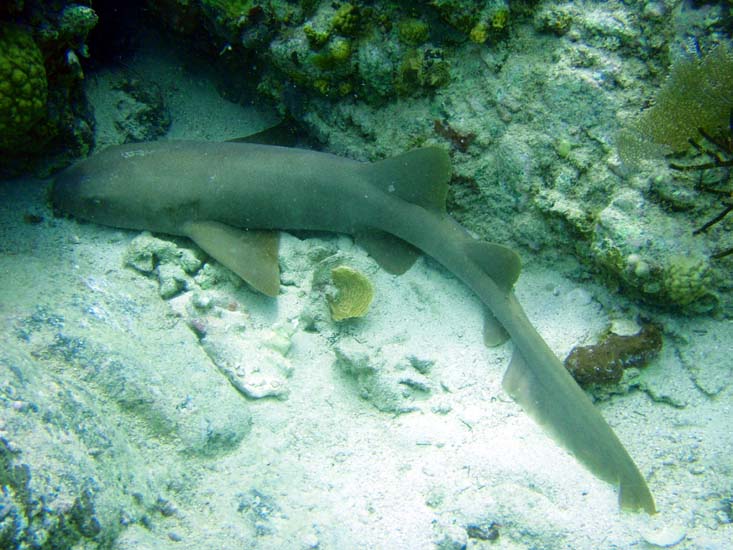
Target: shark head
{"type": "Point", "coordinates": [120, 187]}
{"type": "Point", "coordinates": [80, 192]}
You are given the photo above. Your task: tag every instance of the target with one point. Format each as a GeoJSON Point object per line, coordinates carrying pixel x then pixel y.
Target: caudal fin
{"type": "Point", "coordinates": [545, 390]}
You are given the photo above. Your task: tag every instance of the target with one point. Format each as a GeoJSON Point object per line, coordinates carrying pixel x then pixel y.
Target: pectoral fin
{"type": "Point", "coordinates": [250, 254]}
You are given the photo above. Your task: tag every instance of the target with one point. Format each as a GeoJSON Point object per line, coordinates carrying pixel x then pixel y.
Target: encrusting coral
{"type": "Point", "coordinates": [687, 279]}
{"type": "Point", "coordinates": [604, 362]}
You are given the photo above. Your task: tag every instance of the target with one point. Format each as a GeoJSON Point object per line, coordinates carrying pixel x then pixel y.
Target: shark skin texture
{"type": "Point", "coordinates": [231, 199]}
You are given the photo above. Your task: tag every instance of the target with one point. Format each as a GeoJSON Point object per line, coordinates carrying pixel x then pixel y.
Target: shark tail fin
{"type": "Point", "coordinates": [551, 397]}
{"type": "Point", "coordinates": [419, 176]}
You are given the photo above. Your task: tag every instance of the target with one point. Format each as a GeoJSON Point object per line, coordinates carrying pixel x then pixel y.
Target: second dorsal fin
{"type": "Point", "coordinates": [499, 262]}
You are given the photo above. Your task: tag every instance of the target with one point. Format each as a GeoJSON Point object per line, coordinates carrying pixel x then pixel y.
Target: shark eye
{"type": "Point", "coordinates": [94, 201]}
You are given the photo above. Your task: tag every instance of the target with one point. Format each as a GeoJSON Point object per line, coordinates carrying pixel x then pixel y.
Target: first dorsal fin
{"type": "Point", "coordinates": [284, 134]}
{"type": "Point", "coordinates": [420, 176]}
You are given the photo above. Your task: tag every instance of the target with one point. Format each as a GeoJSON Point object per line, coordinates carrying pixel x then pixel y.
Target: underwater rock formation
{"type": "Point", "coordinates": [394, 387]}
{"type": "Point", "coordinates": [605, 362]}
{"type": "Point", "coordinates": [44, 119]}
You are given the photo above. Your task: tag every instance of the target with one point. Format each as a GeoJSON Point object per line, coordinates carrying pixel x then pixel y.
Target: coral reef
{"type": "Point", "coordinates": [173, 266]}
{"type": "Point", "coordinates": [44, 118]}
{"type": "Point", "coordinates": [478, 20]}
{"type": "Point", "coordinates": [656, 269]}
{"type": "Point", "coordinates": [413, 31]}
{"type": "Point", "coordinates": [343, 49]}
{"type": "Point", "coordinates": [687, 279]}
{"type": "Point", "coordinates": [76, 21]}
{"type": "Point", "coordinates": [374, 51]}
{"type": "Point", "coordinates": [296, 53]}
{"type": "Point", "coordinates": [460, 141]}
{"type": "Point", "coordinates": [142, 113]}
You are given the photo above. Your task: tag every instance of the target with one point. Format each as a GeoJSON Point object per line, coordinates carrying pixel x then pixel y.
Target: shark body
{"type": "Point", "coordinates": [230, 198]}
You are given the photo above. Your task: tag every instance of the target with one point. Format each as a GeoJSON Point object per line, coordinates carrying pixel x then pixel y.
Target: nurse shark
{"type": "Point", "coordinates": [231, 199]}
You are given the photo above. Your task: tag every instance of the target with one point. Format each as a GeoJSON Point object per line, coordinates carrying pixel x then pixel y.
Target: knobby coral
{"type": "Point", "coordinates": [23, 85]}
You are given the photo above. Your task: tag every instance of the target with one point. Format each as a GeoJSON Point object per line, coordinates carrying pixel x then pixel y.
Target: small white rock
{"type": "Point", "coordinates": [666, 536]}
{"type": "Point", "coordinates": [625, 327]}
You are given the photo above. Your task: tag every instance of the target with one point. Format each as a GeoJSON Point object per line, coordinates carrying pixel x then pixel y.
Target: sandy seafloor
{"type": "Point", "coordinates": [323, 467]}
